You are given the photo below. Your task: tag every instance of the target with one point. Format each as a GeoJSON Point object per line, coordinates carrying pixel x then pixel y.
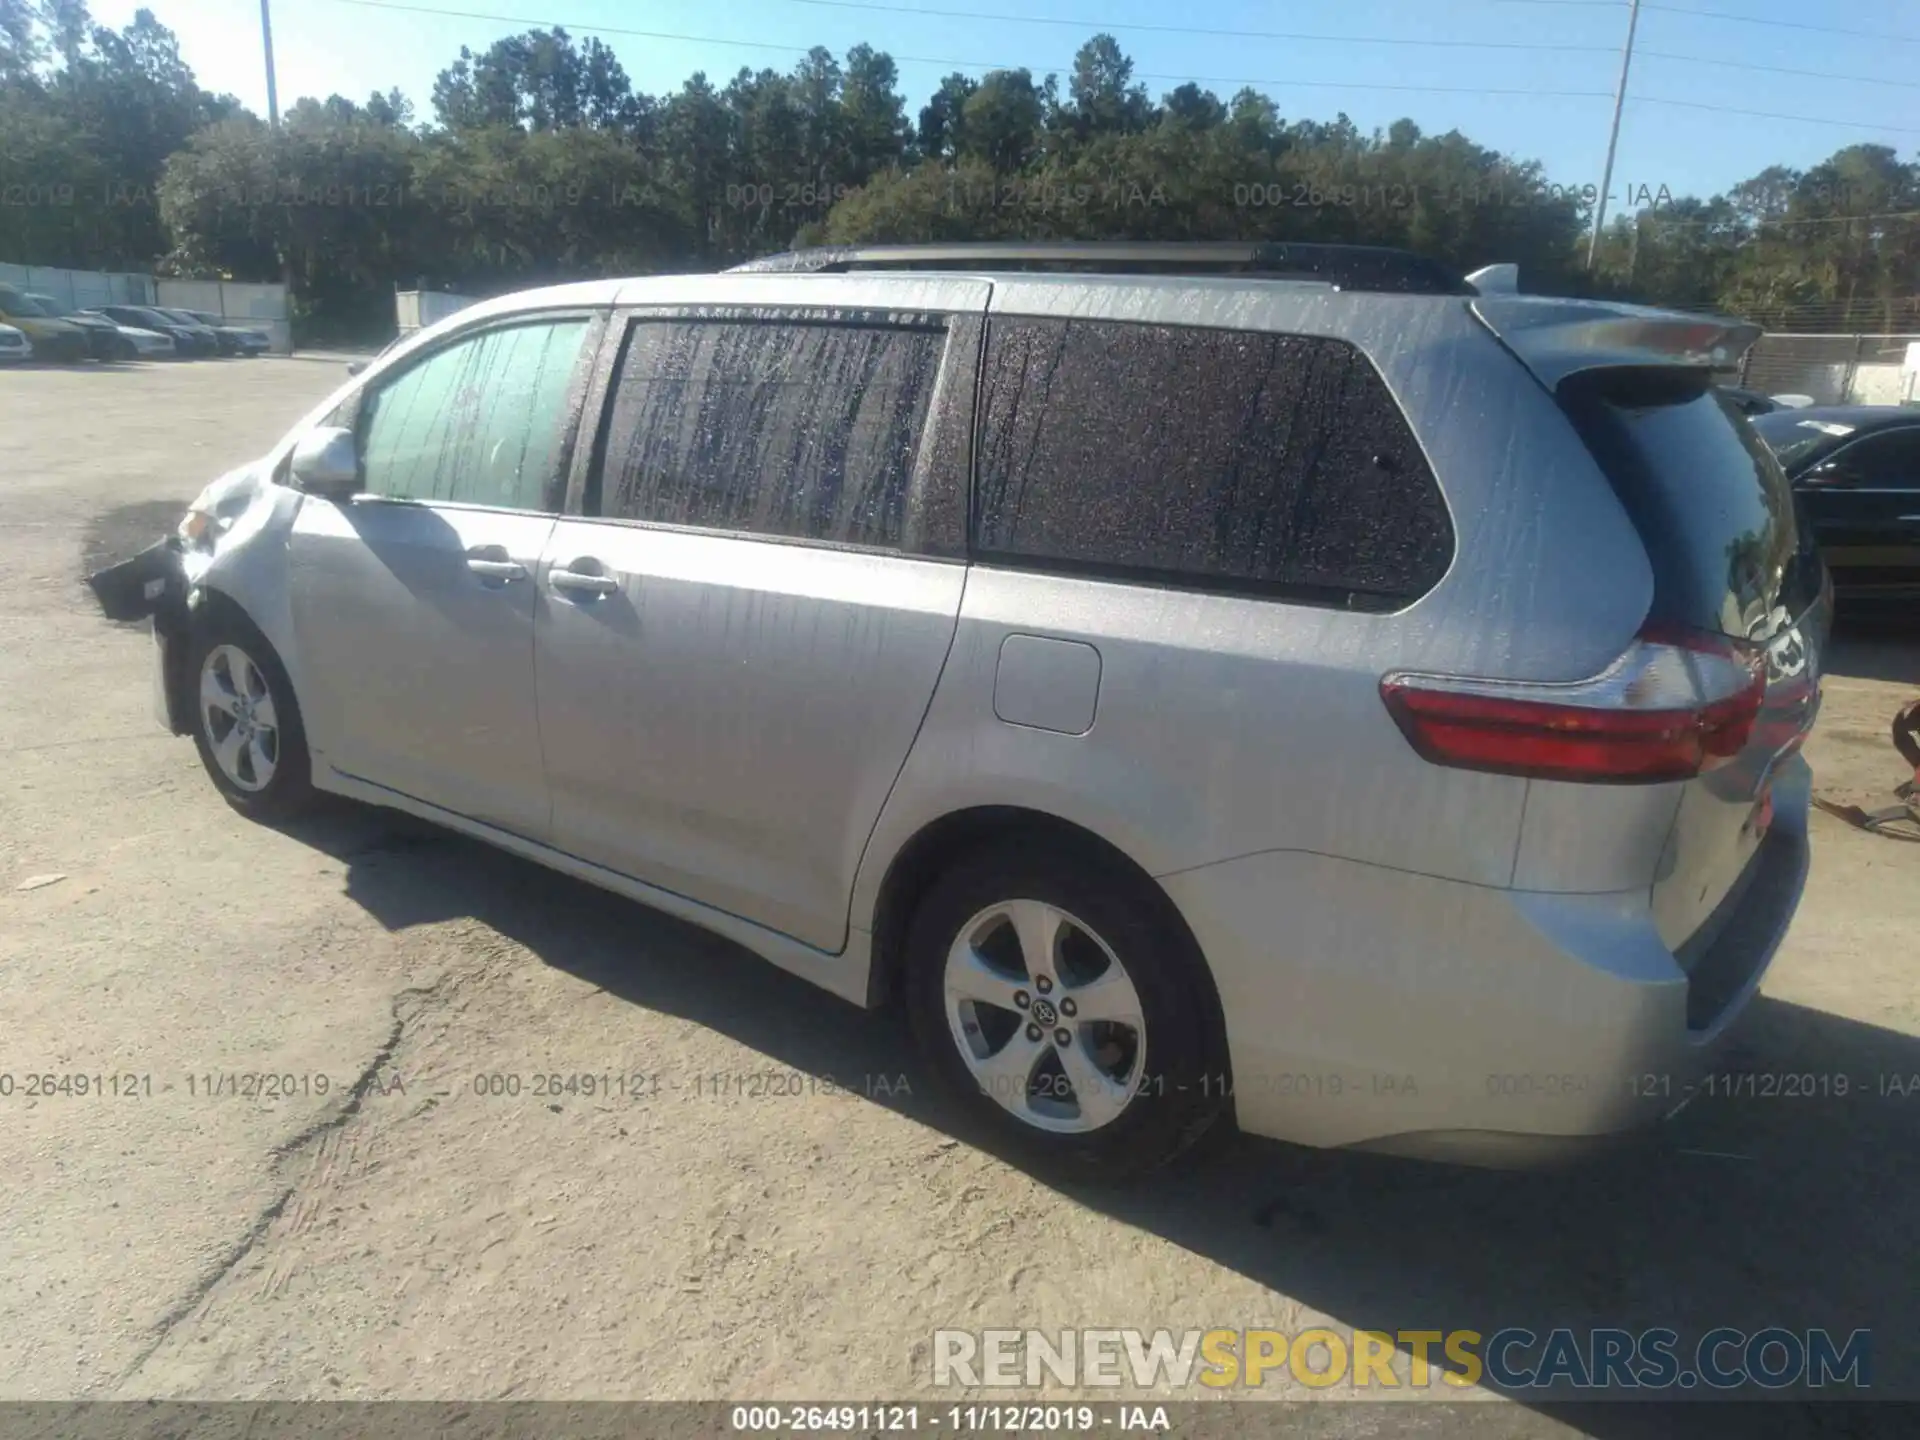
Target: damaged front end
{"type": "Point", "coordinates": [160, 584]}
{"type": "Point", "coordinates": [154, 584]}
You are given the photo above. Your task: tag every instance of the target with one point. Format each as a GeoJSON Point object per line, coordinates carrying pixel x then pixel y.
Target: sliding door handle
{"type": "Point", "coordinates": [497, 569]}
{"type": "Point", "coordinates": [582, 583]}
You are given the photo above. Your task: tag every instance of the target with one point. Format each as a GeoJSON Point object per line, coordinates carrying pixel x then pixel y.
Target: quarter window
{"type": "Point", "coordinates": [790, 428]}
{"type": "Point", "coordinates": [1218, 458]}
{"type": "Point", "coordinates": [482, 422]}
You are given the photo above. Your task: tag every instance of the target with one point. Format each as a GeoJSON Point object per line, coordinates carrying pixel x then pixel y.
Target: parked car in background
{"type": "Point", "coordinates": [103, 339]}
{"type": "Point", "coordinates": [1856, 479]}
{"type": "Point", "coordinates": [190, 341]}
{"type": "Point", "coordinates": [234, 339]}
{"type": "Point", "coordinates": [14, 346]}
{"type": "Point", "coordinates": [51, 337]}
{"type": "Point", "coordinates": [191, 322]}
{"type": "Point", "coordinates": [138, 344]}
{"type": "Point", "coordinates": [1749, 402]}
{"type": "Point", "coordinates": [1444, 795]}
{"type": "Point", "coordinates": [134, 342]}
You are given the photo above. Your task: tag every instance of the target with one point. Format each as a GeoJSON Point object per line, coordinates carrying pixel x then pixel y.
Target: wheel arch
{"type": "Point", "coordinates": [937, 845]}
{"type": "Point", "coordinates": [208, 601]}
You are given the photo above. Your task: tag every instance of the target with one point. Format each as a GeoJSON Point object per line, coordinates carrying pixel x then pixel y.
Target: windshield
{"type": "Point", "coordinates": [14, 303]}
{"type": "Point", "coordinates": [49, 306]}
{"type": "Point", "coordinates": [1796, 438]}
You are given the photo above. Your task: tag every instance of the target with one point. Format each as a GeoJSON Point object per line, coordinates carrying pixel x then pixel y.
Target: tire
{"type": "Point", "coordinates": [1159, 1084]}
{"type": "Point", "coordinates": [236, 681]}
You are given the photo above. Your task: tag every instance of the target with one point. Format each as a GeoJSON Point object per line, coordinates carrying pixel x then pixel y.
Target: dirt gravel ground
{"type": "Point", "coordinates": [400, 1235]}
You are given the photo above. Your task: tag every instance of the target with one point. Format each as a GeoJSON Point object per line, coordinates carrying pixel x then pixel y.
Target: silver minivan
{"type": "Point", "coordinates": [1284, 683]}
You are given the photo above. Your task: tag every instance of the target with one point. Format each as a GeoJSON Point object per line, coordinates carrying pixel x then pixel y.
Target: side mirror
{"type": "Point", "coordinates": [324, 463]}
{"type": "Point", "coordinates": [354, 367]}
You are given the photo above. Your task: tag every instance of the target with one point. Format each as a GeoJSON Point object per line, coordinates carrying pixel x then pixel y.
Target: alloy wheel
{"type": "Point", "coordinates": [1045, 1016]}
{"type": "Point", "coordinates": [237, 713]}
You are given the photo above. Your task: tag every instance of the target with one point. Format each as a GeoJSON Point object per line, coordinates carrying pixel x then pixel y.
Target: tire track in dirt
{"type": "Point", "coordinates": [336, 1155]}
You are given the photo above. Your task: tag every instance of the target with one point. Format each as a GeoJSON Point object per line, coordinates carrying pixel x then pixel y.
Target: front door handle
{"type": "Point", "coordinates": [581, 582]}
{"type": "Point", "coordinates": [497, 569]}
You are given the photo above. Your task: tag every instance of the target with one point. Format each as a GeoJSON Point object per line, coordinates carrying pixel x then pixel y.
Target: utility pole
{"type": "Point", "coordinates": [273, 119]}
{"type": "Point", "coordinates": [1613, 135]}
{"type": "Point", "coordinates": [273, 96]}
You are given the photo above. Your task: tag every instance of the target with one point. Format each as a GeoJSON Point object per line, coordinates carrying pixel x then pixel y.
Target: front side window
{"type": "Point", "coordinates": [1214, 458]}
{"type": "Point", "coordinates": [1889, 461]}
{"type": "Point", "coordinates": [481, 422]}
{"type": "Point", "coordinates": [801, 428]}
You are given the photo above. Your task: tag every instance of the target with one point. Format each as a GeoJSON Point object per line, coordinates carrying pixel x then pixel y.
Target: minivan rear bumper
{"type": "Point", "coordinates": [1373, 1008]}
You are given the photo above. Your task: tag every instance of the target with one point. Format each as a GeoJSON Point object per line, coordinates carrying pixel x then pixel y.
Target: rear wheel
{"type": "Point", "coordinates": [246, 722]}
{"type": "Point", "coordinates": [1061, 1011]}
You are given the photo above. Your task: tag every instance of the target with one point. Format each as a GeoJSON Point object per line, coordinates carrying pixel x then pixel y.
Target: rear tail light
{"type": "Point", "coordinates": [1678, 702]}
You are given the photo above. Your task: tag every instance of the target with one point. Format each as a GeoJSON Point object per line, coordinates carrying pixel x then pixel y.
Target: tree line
{"type": "Point", "coordinates": [539, 160]}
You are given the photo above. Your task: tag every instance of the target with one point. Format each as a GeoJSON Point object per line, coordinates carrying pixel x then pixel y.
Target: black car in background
{"type": "Point", "coordinates": [198, 326]}
{"type": "Point", "coordinates": [1856, 482]}
{"type": "Point", "coordinates": [188, 340]}
{"type": "Point", "coordinates": [234, 339]}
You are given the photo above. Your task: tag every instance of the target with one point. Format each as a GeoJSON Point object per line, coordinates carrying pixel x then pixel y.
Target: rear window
{"type": "Point", "coordinates": [1217, 459]}
{"type": "Point", "coordinates": [1708, 497]}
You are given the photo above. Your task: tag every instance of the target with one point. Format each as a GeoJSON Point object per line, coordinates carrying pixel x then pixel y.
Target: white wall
{"type": "Point", "coordinates": [257, 307]}
{"type": "Point", "coordinates": [416, 309]}
{"type": "Point", "coordinates": [82, 289]}
{"type": "Point", "coordinates": [1881, 385]}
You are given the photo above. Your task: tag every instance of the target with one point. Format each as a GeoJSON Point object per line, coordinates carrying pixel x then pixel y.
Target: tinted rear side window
{"type": "Point", "coordinates": [1217, 458]}
{"type": "Point", "coordinates": [772, 427]}
{"type": "Point", "coordinates": [1708, 497]}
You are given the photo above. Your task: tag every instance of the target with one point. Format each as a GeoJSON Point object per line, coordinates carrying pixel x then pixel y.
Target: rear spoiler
{"type": "Point", "coordinates": [1556, 338]}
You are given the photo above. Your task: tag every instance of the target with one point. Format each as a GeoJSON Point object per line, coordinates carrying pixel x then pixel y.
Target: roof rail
{"type": "Point", "coordinates": [1345, 267]}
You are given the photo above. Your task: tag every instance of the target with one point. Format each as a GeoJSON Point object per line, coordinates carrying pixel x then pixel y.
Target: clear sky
{"type": "Point", "coordinates": [1315, 58]}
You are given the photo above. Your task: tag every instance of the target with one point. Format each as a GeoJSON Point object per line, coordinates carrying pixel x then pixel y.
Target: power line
{"type": "Point", "coordinates": [1111, 25]}
{"type": "Point", "coordinates": [1730, 18]}
{"type": "Point", "coordinates": [593, 29]}
{"type": "Point", "coordinates": [1733, 19]}
{"type": "Point", "coordinates": [1781, 70]}
{"type": "Point", "coordinates": [1269, 83]}
{"type": "Point", "coordinates": [1768, 114]}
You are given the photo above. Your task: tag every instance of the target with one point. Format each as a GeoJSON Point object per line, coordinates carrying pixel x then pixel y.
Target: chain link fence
{"type": "Point", "coordinates": [1833, 369]}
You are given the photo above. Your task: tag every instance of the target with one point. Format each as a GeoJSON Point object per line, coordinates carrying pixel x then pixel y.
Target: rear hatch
{"type": "Point", "coordinates": [1733, 586]}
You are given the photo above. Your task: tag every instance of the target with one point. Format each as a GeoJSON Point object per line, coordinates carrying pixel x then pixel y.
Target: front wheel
{"type": "Point", "coordinates": [1062, 1010]}
{"type": "Point", "coordinates": [246, 722]}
